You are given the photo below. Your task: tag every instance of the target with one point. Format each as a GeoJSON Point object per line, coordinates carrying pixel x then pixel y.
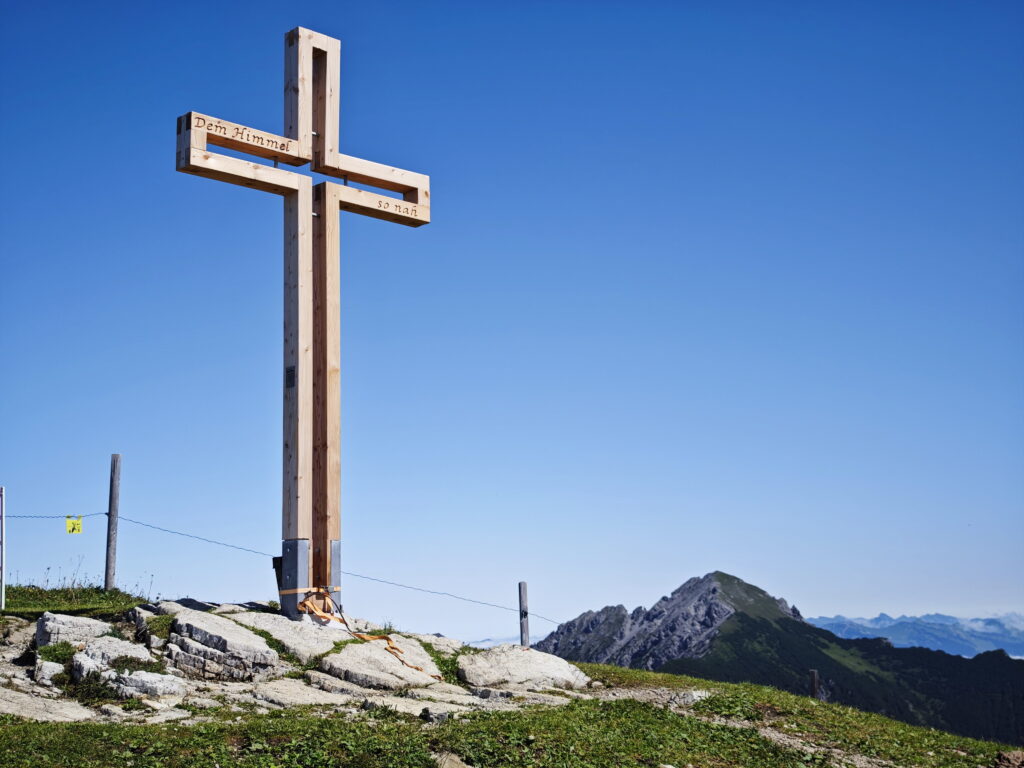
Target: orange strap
{"type": "Point", "coordinates": [303, 590]}
{"type": "Point", "coordinates": [307, 606]}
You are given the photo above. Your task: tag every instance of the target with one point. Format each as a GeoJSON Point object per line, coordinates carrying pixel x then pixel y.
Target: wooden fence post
{"type": "Point", "coordinates": [524, 617]}
{"type": "Point", "coordinates": [112, 502]}
{"type": "Point", "coordinates": [815, 686]}
{"type": "Point", "coordinates": [3, 549]}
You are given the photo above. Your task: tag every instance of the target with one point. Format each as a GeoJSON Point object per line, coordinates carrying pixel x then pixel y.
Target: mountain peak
{"type": "Point", "coordinates": [680, 625]}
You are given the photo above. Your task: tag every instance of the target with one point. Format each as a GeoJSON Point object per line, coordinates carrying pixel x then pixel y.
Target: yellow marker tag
{"type": "Point", "coordinates": [73, 524]}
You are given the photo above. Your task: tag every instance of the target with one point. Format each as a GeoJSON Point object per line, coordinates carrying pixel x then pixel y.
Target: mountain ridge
{"type": "Point", "coordinates": [722, 628]}
{"type": "Point", "coordinates": [937, 631]}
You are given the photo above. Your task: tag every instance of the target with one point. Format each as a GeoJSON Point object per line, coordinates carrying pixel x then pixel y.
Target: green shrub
{"type": "Point", "coordinates": [92, 690]}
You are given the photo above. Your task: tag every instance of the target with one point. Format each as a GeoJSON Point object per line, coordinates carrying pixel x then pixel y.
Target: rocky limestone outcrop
{"type": "Point", "coordinates": [303, 639]}
{"type": "Point", "coordinates": [207, 645]}
{"type": "Point", "coordinates": [682, 625]}
{"type": "Point", "coordinates": [513, 666]}
{"type": "Point", "coordinates": [219, 656]}
{"type": "Point", "coordinates": [53, 628]}
{"type": "Point", "coordinates": [371, 665]}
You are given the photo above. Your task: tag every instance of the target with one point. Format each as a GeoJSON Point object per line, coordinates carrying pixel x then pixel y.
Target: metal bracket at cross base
{"type": "Point", "coordinates": [291, 569]}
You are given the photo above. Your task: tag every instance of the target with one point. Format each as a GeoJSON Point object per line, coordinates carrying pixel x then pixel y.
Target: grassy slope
{"type": "Point", "coordinates": [30, 602]}
{"type": "Point", "coordinates": [981, 697]}
{"type": "Point", "coordinates": [820, 723]}
{"type": "Point", "coordinates": [587, 734]}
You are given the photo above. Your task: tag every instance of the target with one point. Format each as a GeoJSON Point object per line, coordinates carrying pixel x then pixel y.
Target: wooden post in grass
{"type": "Point", "coordinates": [815, 683]}
{"type": "Point", "coordinates": [112, 502]}
{"type": "Point", "coordinates": [524, 617]}
{"type": "Point", "coordinates": [3, 549]}
{"type": "Point", "coordinates": [311, 481]}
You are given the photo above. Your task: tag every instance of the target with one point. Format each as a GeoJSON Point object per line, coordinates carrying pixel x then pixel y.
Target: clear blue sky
{"type": "Point", "coordinates": [729, 286]}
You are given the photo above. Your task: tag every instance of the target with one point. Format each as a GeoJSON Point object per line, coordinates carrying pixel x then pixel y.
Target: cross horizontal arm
{"type": "Point", "coordinates": [375, 174]}
{"type": "Point", "coordinates": [380, 206]}
{"type": "Point", "coordinates": [194, 157]}
{"type": "Point", "coordinates": [244, 139]}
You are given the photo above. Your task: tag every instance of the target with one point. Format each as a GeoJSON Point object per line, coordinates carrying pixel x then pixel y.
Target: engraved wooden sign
{"type": "Point", "coordinates": [311, 485]}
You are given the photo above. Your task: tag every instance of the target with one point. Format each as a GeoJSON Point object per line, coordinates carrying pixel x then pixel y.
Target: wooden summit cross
{"type": "Point", "coordinates": [311, 487]}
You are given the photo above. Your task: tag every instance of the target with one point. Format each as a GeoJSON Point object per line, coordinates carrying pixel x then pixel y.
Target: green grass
{"type": "Point", "coordinates": [59, 653]}
{"type": "Point", "coordinates": [447, 665]}
{"type": "Point", "coordinates": [731, 705]}
{"type": "Point", "coordinates": [129, 664]}
{"type": "Point", "coordinates": [30, 602]}
{"type": "Point", "coordinates": [286, 739]}
{"type": "Point", "coordinates": [607, 735]}
{"type": "Point", "coordinates": [583, 733]}
{"type": "Point", "coordinates": [820, 723]}
{"type": "Point", "coordinates": [133, 705]}
{"type": "Point", "coordinates": [160, 626]}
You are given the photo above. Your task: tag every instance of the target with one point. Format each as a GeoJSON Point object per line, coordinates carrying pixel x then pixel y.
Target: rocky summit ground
{"type": "Point", "coordinates": [172, 660]}
{"type": "Point", "coordinates": [186, 683]}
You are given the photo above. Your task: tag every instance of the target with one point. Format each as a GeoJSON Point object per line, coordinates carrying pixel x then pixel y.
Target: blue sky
{"type": "Point", "coordinates": [728, 286]}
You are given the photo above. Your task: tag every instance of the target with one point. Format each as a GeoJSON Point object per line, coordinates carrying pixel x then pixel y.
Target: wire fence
{"type": "Point", "coordinates": [439, 593]}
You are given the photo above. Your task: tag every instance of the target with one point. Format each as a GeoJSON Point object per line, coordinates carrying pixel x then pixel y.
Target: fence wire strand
{"type": "Point", "coordinates": [192, 536]}
{"type": "Point", "coordinates": [267, 554]}
{"type": "Point", "coordinates": [52, 517]}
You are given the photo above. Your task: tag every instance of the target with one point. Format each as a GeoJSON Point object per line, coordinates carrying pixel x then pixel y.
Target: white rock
{"type": "Point", "coordinates": [334, 685]}
{"type": "Point", "coordinates": [169, 608]}
{"type": "Point", "coordinates": [201, 702]}
{"type": "Point", "coordinates": [139, 614]}
{"type": "Point", "coordinates": [442, 687]}
{"type": "Point", "coordinates": [168, 715]}
{"type": "Point", "coordinates": [58, 628]}
{"type": "Point", "coordinates": [223, 635]}
{"type": "Point", "coordinates": [103, 650]}
{"type": "Point", "coordinates": [39, 708]}
{"type": "Point", "coordinates": [287, 692]}
{"type": "Point", "coordinates": [210, 646]}
{"type": "Point", "coordinates": [139, 684]}
{"type": "Point", "coordinates": [460, 696]}
{"type": "Point", "coordinates": [513, 666]}
{"type": "Point", "coordinates": [372, 666]}
{"type": "Point", "coordinates": [689, 698]}
{"type": "Point", "coordinates": [83, 665]}
{"type": "Point", "coordinates": [301, 639]}
{"type": "Point", "coordinates": [445, 646]}
{"type": "Point", "coordinates": [408, 706]}
{"type": "Point", "coordinates": [45, 670]}
{"type": "Point", "coordinates": [450, 760]}
{"type": "Point", "coordinates": [227, 608]}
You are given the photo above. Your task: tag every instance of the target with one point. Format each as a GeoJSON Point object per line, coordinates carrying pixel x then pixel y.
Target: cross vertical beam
{"type": "Point", "coordinates": [326, 384]}
{"type": "Point", "coordinates": [297, 477]}
{"type": "Point", "coordinates": [311, 485]}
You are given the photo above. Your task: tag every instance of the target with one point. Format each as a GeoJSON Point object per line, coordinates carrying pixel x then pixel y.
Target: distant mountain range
{"type": "Point", "coordinates": [721, 628]}
{"type": "Point", "coordinates": [963, 637]}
